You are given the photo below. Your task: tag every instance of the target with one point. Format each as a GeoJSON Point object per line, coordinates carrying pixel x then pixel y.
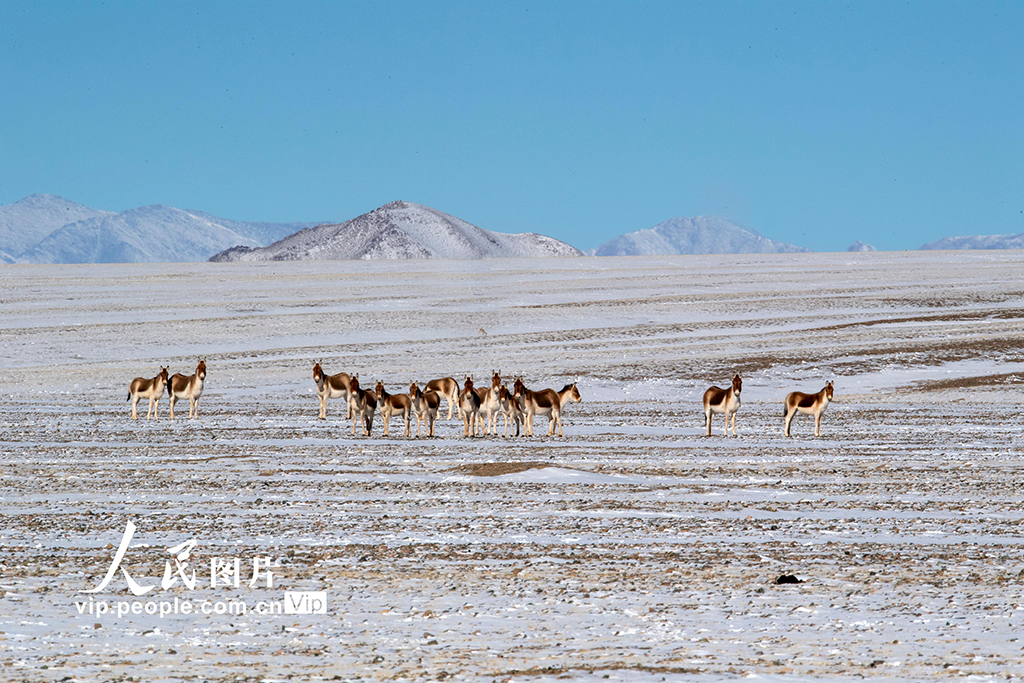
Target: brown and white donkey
{"type": "Point", "coordinates": [808, 404]}
{"type": "Point", "coordinates": [545, 402]}
{"type": "Point", "coordinates": [152, 389]}
{"type": "Point", "coordinates": [331, 386]}
{"type": "Point", "coordinates": [362, 405]}
{"type": "Point", "coordinates": [424, 407]}
{"type": "Point", "coordinates": [449, 388]}
{"type": "Point", "coordinates": [723, 401]}
{"type": "Point", "coordinates": [390, 404]}
{"type": "Point", "coordinates": [191, 387]}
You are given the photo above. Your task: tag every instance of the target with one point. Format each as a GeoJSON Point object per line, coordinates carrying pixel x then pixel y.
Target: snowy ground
{"type": "Point", "coordinates": [632, 549]}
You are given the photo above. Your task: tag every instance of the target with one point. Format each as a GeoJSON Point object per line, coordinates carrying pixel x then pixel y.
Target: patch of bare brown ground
{"type": "Point", "coordinates": [970, 382]}
{"type": "Point", "coordinates": [496, 469]}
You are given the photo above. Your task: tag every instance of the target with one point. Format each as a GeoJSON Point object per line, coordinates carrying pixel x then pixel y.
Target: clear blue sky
{"type": "Point", "coordinates": [816, 123]}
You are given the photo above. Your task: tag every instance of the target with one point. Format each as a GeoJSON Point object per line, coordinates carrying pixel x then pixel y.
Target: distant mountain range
{"type": "Point", "coordinates": [401, 230]}
{"type": "Point", "coordinates": [25, 223]}
{"type": "Point", "coordinates": [700, 235]}
{"type": "Point", "coordinates": [51, 229]}
{"type": "Point", "coordinates": [979, 242]}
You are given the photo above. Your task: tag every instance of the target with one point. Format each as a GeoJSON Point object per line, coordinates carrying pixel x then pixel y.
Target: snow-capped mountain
{"type": "Point", "coordinates": [700, 235]}
{"type": "Point", "coordinates": [34, 230]}
{"type": "Point", "coordinates": [401, 230]}
{"type": "Point", "coordinates": [978, 242]}
{"type": "Point", "coordinates": [149, 233]}
{"type": "Point", "coordinates": [27, 221]}
{"type": "Point", "coordinates": [860, 246]}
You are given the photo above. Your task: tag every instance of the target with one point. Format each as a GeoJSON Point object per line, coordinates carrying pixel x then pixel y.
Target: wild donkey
{"type": "Point", "coordinates": [390, 404]}
{"type": "Point", "coordinates": [449, 388]}
{"type": "Point", "coordinates": [469, 405]}
{"type": "Point", "coordinates": [723, 401]}
{"type": "Point", "coordinates": [545, 402]}
{"type": "Point", "coordinates": [361, 404]}
{"type": "Point", "coordinates": [489, 406]}
{"type": "Point", "coordinates": [190, 387]}
{"type": "Point", "coordinates": [808, 404]}
{"type": "Point", "coordinates": [424, 407]}
{"type": "Point", "coordinates": [331, 386]}
{"type": "Point", "coordinates": [152, 389]}
{"type": "Point", "coordinates": [510, 409]}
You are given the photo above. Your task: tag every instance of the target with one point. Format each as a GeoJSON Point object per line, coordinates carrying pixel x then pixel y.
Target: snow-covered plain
{"type": "Point", "coordinates": [632, 549]}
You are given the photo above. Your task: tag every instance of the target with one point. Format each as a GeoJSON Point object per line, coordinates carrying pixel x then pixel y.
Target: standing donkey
{"type": "Point", "coordinates": [392, 403]}
{"type": "Point", "coordinates": [723, 401]}
{"type": "Point", "coordinates": [424, 407]}
{"type": "Point", "coordinates": [469, 406]}
{"type": "Point", "coordinates": [487, 420]}
{"type": "Point", "coordinates": [190, 387]}
{"type": "Point", "coordinates": [545, 402]}
{"type": "Point", "coordinates": [331, 386]}
{"type": "Point", "coordinates": [152, 389]}
{"type": "Point", "coordinates": [808, 404]}
{"type": "Point", "coordinates": [449, 388]}
{"type": "Point", "coordinates": [361, 404]}
{"type": "Point", "coordinates": [509, 410]}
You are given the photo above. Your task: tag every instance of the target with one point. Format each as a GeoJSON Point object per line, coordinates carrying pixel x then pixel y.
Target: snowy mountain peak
{"type": "Point", "coordinates": [39, 200]}
{"type": "Point", "coordinates": [401, 230]}
{"type": "Point", "coordinates": [978, 242]}
{"type": "Point", "coordinates": [49, 229]}
{"type": "Point", "coordinates": [699, 235]}
{"type": "Point", "coordinates": [28, 220]}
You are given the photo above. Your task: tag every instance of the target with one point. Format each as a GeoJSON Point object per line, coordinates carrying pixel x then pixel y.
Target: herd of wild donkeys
{"type": "Point", "coordinates": [479, 409]}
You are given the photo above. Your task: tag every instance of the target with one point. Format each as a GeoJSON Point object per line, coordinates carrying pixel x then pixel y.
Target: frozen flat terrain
{"type": "Point", "coordinates": [632, 549]}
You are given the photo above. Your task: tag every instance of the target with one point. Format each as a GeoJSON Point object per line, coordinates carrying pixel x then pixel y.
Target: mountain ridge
{"type": "Point", "coordinates": [401, 230]}
{"type": "Point", "coordinates": [977, 242]}
{"type": "Point", "coordinates": [154, 233]}
{"type": "Point", "coordinates": [31, 219]}
{"type": "Point", "coordinates": [698, 235]}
